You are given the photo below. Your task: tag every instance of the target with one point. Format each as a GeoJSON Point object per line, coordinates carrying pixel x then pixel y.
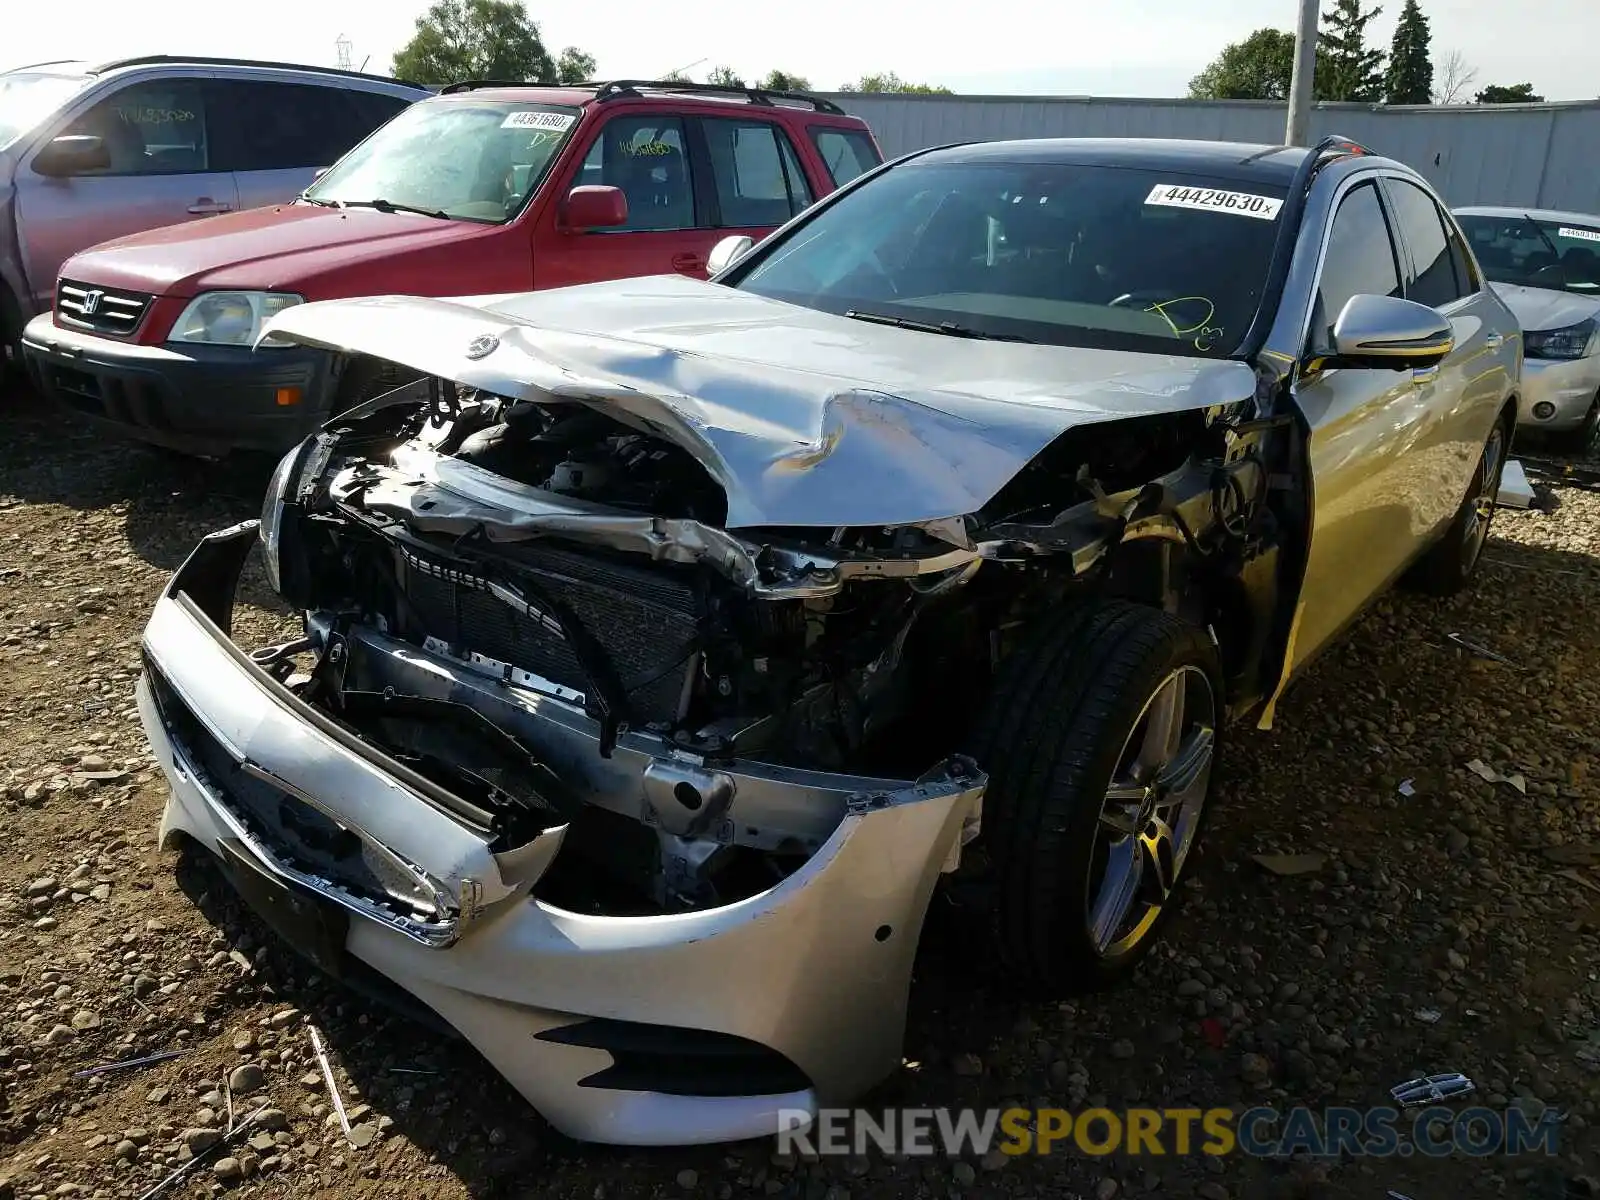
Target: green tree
{"type": "Point", "coordinates": [782, 81]}
{"type": "Point", "coordinates": [1350, 70]}
{"type": "Point", "coordinates": [1517, 93]}
{"type": "Point", "coordinates": [1410, 77]}
{"type": "Point", "coordinates": [475, 39]}
{"type": "Point", "coordinates": [724, 77]}
{"type": "Point", "coordinates": [1258, 68]}
{"type": "Point", "coordinates": [890, 82]}
{"type": "Point", "coordinates": [574, 66]}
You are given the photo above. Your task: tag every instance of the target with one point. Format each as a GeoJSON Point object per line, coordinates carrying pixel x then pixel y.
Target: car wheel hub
{"type": "Point", "coordinates": [1151, 811]}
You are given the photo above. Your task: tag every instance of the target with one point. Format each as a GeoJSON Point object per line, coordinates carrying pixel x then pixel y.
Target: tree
{"type": "Point", "coordinates": [1258, 68]}
{"type": "Point", "coordinates": [475, 39]}
{"type": "Point", "coordinates": [782, 81]}
{"type": "Point", "coordinates": [1453, 78]}
{"type": "Point", "coordinates": [724, 77]}
{"type": "Point", "coordinates": [1517, 93]}
{"type": "Point", "coordinates": [1350, 70]}
{"type": "Point", "coordinates": [890, 82]}
{"type": "Point", "coordinates": [1410, 77]}
{"type": "Point", "coordinates": [574, 66]}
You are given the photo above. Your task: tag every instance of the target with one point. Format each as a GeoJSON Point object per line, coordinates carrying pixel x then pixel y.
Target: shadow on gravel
{"type": "Point", "coordinates": [169, 502]}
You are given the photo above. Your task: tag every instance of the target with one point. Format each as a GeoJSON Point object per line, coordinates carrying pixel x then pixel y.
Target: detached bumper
{"type": "Point", "coordinates": [674, 1029]}
{"type": "Point", "coordinates": [1557, 394]}
{"type": "Point", "coordinates": [206, 400]}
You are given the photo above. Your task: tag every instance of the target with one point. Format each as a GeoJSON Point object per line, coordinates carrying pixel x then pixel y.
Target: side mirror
{"type": "Point", "coordinates": [596, 206]}
{"type": "Point", "coordinates": [72, 154]}
{"type": "Point", "coordinates": [727, 252]}
{"type": "Point", "coordinates": [1386, 331]}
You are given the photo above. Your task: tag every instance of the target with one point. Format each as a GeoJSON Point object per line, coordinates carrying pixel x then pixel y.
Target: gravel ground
{"type": "Point", "coordinates": [1452, 923]}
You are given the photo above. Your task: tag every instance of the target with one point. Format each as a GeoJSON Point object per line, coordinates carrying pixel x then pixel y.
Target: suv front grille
{"type": "Point", "coordinates": [104, 310]}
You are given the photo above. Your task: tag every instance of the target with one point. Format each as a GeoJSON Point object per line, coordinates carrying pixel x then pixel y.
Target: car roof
{"type": "Point", "coordinates": [1514, 213]}
{"type": "Point", "coordinates": [767, 100]}
{"type": "Point", "coordinates": [1270, 164]}
{"type": "Point", "coordinates": [244, 64]}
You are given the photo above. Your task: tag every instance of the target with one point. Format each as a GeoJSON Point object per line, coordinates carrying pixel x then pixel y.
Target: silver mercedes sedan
{"type": "Point", "coordinates": [1546, 266]}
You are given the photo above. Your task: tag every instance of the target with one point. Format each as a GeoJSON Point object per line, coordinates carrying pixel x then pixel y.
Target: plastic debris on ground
{"type": "Point", "coordinates": [1290, 864]}
{"type": "Point", "coordinates": [1489, 775]}
{"type": "Point", "coordinates": [1432, 1089]}
{"type": "Point", "coordinates": [1515, 490]}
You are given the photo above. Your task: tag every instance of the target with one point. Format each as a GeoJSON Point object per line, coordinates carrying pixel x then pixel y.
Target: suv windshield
{"type": "Point", "coordinates": [1063, 253]}
{"type": "Point", "coordinates": [28, 97]}
{"type": "Point", "coordinates": [1559, 255]}
{"type": "Point", "coordinates": [467, 159]}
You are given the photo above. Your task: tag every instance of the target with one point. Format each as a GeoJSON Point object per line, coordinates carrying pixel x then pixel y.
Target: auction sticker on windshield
{"type": "Point", "coordinates": [1587, 235]}
{"type": "Point", "coordinates": [537, 120]}
{"type": "Point", "coordinates": [1243, 204]}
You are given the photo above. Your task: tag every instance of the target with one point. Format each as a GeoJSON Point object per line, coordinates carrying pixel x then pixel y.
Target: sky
{"type": "Point", "coordinates": [1082, 47]}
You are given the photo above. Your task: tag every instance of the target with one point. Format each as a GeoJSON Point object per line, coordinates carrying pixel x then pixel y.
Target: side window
{"type": "Point", "coordinates": [758, 178]}
{"type": "Point", "coordinates": [645, 156]}
{"type": "Point", "coordinates": [374, 109]}
{"type": "Point", "coordinates": [845, 153]}
{"type": "Point", "coordinates": [284, 126]}
{"type": "Point", "coordinates": [1360, 261]}
{"type": "Point", "coordinates": [155, 128]}
{"type": "Point", "coordinates": [1468, 280]}
{"type": "Point", "coordinates": [1432, 279]}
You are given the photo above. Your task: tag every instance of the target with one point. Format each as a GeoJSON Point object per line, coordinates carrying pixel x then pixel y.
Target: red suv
{"type": "Point", "coordinates": [485, 188]}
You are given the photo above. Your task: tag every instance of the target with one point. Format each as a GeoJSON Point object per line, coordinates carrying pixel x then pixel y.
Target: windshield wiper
{"type": "Point", "coordinates": [320, 203]}
{"type": "Point", "coordinates": [1543, 236]}
{"type": "Point", "coordinates": [395, 206]}
{"type": "Point", "coordinates": [948, 328]}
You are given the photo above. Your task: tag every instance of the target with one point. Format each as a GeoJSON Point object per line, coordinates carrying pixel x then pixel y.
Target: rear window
{"type": "Point", "coordinates": [845, 153]}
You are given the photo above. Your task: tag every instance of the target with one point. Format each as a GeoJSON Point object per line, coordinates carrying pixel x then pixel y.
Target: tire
{"type": "Point", "coordinates": [12, 371]}
{"type": "Point", "coordinates": [1058, 731]}
{"type": "Point", "coordinates": [1449, 565]}
{"type": "Point", "coordinates": [1584, 441]}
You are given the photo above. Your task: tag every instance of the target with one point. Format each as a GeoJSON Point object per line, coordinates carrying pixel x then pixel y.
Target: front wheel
{"type": "Point", "coordinates": [1100, 741]}
{"type": "Point", "coordinates": [1449, 566]}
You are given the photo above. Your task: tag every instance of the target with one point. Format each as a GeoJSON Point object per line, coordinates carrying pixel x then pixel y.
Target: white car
{"type": "Point", "coordinates": [1546, 266]}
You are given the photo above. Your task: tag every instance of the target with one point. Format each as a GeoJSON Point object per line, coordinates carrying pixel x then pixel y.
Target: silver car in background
{"type": "Point", "coordinates": [90, 153]}
{"type": "Point", "coordinates": [1546, 266]}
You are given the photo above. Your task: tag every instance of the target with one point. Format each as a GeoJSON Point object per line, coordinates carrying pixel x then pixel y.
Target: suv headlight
{"type": "Point", "coordinates": [231, 318]}
{"type": "Point", "coordinates": [1571, 342]}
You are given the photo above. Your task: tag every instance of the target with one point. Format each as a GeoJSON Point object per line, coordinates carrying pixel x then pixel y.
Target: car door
{"type": "Point", "coordinates": [275, 135]}
{"type": "Point", "coordinates": [161, 172]}
{"type": "Point", "coordinates": [1461, 399]}
{"type": "Point", "coordinates": [648, 156]}
{"type": "Point", "coordinates": [1363, 424]}
{"type": "Point", "coordinates": [757, 180]}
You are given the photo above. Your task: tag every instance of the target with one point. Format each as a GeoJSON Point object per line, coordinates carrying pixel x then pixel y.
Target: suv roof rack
{"type": "Point", "coordinates": [472, 85]}
{"type": "Point", "coordinates": [207, 60]}
{"type": "Point", "coordinates": [619, 88]}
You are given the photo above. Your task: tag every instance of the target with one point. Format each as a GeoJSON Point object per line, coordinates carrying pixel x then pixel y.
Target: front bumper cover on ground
{"type": "Point", "coordinates": [690, 1027]}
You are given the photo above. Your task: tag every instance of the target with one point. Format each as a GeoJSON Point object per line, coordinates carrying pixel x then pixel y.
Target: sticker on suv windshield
{"type": "Point", "coordinates": [537, 120]}
{"type": "Point", "coordinates": [1587, 235]}
{"type": "Point", "coordinates": [1243, 204]}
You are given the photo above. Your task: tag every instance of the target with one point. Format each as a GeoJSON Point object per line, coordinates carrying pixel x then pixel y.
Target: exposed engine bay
{"type": "Point", "coordinates": [570, 565]}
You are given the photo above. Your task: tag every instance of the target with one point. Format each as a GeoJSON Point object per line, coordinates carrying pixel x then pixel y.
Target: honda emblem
{"type": "Point", "coordinates": [91, 302]}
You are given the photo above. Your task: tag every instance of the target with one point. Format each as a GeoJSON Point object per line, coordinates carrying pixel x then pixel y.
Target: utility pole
{"type": "Point", "coordinates": [1305, 69]}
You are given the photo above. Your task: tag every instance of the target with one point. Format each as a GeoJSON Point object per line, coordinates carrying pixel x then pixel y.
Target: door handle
{"type": "Point", "coordinates": [206, 206]}
{"type": "Point", "coordinates": [687, 262]}
{"type": "Point", "coordinates": [1495, 340]}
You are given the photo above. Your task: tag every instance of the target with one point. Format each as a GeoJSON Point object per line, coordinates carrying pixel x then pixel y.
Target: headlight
{"type": "Point", "coordinates": [284, 479]}
{"type": "Point", "coordinates": [231, 318]}
{"type": "Point", "coordinates": [1571, 342]}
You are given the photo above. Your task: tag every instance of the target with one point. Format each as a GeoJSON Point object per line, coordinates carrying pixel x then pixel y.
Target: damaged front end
{"type": "Point", "coordinates": [575, 755]}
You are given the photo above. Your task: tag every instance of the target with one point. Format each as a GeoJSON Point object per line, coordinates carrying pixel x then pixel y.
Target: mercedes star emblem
{"type": "Point", "coordinates": [482, 346]}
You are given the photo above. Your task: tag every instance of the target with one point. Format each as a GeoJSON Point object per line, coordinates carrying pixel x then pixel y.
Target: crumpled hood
{"type": "Point", "coordinates": [1546, 308]}
{"type": "Point", "coordinates": [288, 247]}
{"type": "Point", "coordinates": [805, 418]}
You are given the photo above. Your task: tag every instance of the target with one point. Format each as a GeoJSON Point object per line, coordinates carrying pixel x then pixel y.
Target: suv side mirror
{"type": "Point", "coordinates": [1375, 332]}
{"type": "Point", "coordinates": [727, 252]}
{"type": "Point", "coordinates": [596, 206]}
{"type": "Point", "coordinates": [72, 154]}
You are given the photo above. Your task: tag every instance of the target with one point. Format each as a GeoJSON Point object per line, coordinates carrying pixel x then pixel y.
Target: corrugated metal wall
{"type": "Point", "coordinates": [1541, 155]}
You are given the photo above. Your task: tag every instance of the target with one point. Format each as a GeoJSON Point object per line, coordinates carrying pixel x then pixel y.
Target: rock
{"type": "Point", "coordinates": [963, 1174]}
{"type": "Point", "coordinates": [92, 762]}
{"type": "Point", "coordinates": [1456, 842]}
{"type": "Point", "coordinates": [43, 886]}
{"type": "Point", "coordinates": [967, 1065]}
{"type": "Point", "coordinates": [1105, 1189]}
{"type": "Point", "coordinates": [1211, 1191]}
{"type": "Point", "coordinates": [244, 1042]}
{"type": "Point", "coordinates": [143, 985]}
{"type": "Point", "coordinates": [199, 1139]}
{"type": "Point", "coordinates": [1122, 1048]}
{"type": "Point", "coordinates": [263, 1143]}
{"type": "Point", "coordinates": [126, 1150]}
{"type": "Point", "coordinates": [101, 891]}
{"type": "Point", "coordinates": [273, 1119]}
{"type": "Point", "coordinates": [1190, 987]}
{"type": "Point", "coordinates": [1255, 1068]}
{"type": "Point", "coordinates": [59, 1034]}
{"type": "Point", "coordinates": [227, 1170]}
{"type": "Point", "coordinates": [284, 1018]}
{"type": "Point", "coordinates": [362, 1134]}
{"type": "Point", "coordinates": [158, 1095]}
{"type": "Point", "coordinates": [83, 1019]}
{"type": "Point", "coordinates": [687, 1178]}
{"type": "Point", "coordinates": [45, 923]}
{"type": "Point", "coordinates": [246, 1079]}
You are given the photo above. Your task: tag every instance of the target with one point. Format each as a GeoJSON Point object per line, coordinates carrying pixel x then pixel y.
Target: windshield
{"type": "Point", "coordinates": [1559, 255]}
{"type": "Point", "coordinates": [1060, 253]}
{"type": "Point", "coordinates": [470, 160]}
{"type": "Point", "coordinates": [28, 97]}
